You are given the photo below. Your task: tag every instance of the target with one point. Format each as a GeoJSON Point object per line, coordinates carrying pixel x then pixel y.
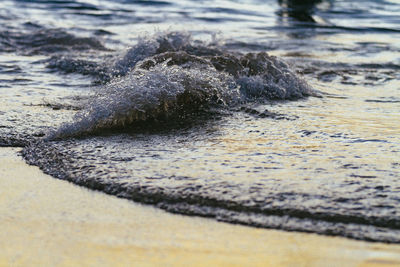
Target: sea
{"type": "Point", "coordinates": [280, 114]}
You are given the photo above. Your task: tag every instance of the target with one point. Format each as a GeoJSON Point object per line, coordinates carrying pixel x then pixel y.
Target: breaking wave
{"type": "Point", "coordinates": [168, 76]}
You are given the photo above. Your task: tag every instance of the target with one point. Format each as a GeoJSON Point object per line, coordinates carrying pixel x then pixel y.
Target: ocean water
{"type": "Point", "coordinates": [275, 114]}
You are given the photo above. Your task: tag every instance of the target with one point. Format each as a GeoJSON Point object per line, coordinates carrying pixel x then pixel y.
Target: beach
{"type": "Point", "coordinates": [50, 222]}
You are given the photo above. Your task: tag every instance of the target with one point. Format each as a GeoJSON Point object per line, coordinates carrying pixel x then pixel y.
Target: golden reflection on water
{"type": "Point", "coordinates": [343, 131]}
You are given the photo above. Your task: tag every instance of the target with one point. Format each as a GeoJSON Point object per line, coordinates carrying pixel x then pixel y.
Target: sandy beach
{"type": "Point", "coordinates": [49, 222]}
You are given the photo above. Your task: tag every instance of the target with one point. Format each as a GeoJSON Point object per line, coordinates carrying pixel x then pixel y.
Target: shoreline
{"type": "Point", "coordinates": [50, 222]}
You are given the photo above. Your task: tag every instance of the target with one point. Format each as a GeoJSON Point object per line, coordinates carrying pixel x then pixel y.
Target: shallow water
{"type": "Point", "coordinates": [161, 103]}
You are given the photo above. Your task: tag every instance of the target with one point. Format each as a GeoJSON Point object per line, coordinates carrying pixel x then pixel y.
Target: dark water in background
{"type": "Point", "coordinates": [160, 102]}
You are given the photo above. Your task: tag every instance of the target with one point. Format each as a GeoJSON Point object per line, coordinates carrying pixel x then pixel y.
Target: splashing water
{"type": "Point", "coordinates": [167, 77]}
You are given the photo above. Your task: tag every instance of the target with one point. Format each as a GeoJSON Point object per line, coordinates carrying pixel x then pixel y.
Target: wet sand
{"type": "Point", "coordinates": [48, 222]}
